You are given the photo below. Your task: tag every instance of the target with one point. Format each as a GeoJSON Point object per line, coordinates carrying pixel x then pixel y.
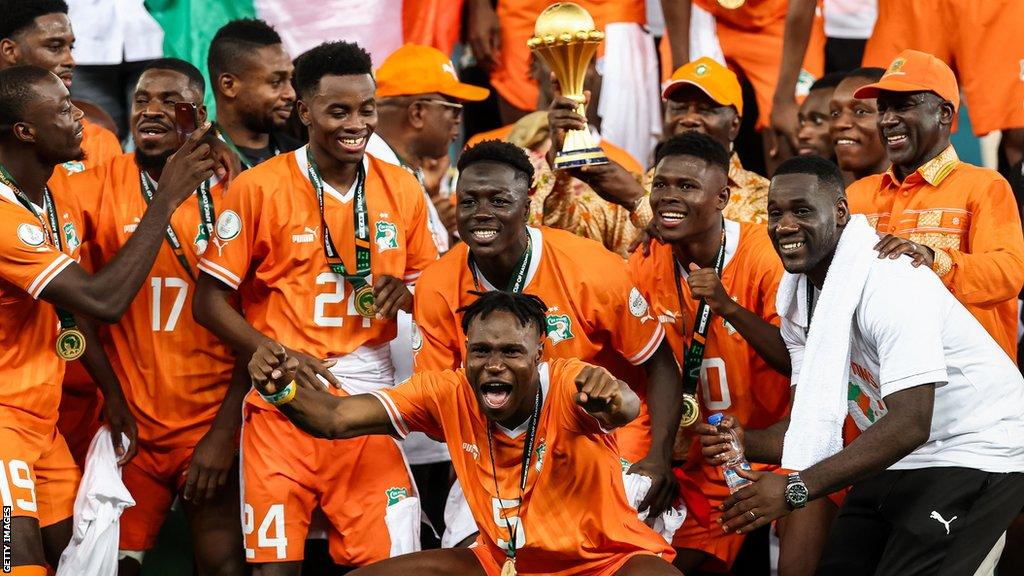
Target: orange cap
{"type": "Point", "coordinates": [915, 71]}
{"type": "Point", "coordinates": [415, 69]}
{"type": "Point", "coordinates": [715, 80]}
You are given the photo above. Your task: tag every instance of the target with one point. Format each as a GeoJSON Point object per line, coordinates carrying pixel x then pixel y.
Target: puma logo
{"type": "Point", "coordinates": [938, 517]}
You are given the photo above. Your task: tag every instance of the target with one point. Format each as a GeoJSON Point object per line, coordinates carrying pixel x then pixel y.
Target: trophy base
{"type": "Point", "coordinates": [577, 158]}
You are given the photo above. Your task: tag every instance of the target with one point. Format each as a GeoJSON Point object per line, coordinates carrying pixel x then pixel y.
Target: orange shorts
{"type": "Point", "coordinates": [154, 478]}
{"type": "Point", "coordinates": [38, 477]}
{"type": "Point", "coordinates": [287, 474]}
{"type": "Point", "coordinates": [79, 414]}
{"type": "Point", "coordinates": [754, 54]}
{"type": "Point", "coordinates": [979, 39]}
{"type": "Point", "coordinates": [492, 567]}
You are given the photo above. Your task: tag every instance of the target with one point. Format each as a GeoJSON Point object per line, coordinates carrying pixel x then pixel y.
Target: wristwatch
{"type": "Point", "coordinates": [796, 492]}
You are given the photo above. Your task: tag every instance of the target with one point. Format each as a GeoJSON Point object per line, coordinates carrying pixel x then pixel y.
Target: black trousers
{"type": "Point", "coordinates": [935, 521]}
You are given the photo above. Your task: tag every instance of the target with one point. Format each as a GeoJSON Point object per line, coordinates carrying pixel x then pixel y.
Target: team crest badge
{"type": "Point", "coordinates": [386, 237]}
{"type": "Point", "coordinates": [73, 167]}
{"type": "Point", "coordinates": [541, 450]}
{"type": "Point", "coordinates": [71, 237]}
{"type": "Point", "coordinates": [559, 328]}
{"type": "Point", "coordinates": [897, 65]}
{"type": "Point", "coordinates": [701, 69]}
{"type": "Point", "coordinates": [31, 235]}
{"type": "Point", "coordinates": [396, 494]}
{"type": "Point", "coordinates": [202, 240]}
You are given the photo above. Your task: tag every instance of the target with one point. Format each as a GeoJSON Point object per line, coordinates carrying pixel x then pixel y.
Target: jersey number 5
{"type": "Point", "coordinates": [502, 509]}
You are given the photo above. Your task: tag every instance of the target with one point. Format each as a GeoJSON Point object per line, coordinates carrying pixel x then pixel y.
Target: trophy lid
{"type": "Point", "coordinates": [561, 18]}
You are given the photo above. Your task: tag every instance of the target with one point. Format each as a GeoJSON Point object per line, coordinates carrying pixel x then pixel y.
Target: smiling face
{"type": "Point", "coordinates": [914, 127]}
{"type": "Point", "coordinates": [812, 135]}
{"type": "Point", "coordinates": [854, 129]}
{"type": "Point", "coordinates": [804, 222]}
{"type": "Point", "coordinates": [492, 208]}
{"type": "Point", "coordinates": [687, 197]}
{"type": "Point", "coordinates": [53, 123]}
{"type": "Point", "coordinates": [152, 117]}
{"type": "Point", "coordinates": [341, 114]}
{"type": "Point", "coordinates": [690, 109]}
{"type": "Point", "coordinates": [264, 96]}
{"type": "Point", "coordinates": [501, 365]}
{"type": "Point", "coordinates": [46, 43]}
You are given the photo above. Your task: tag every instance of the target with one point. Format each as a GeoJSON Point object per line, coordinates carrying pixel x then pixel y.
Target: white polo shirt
{"type": "Point", "coordinates": [908, 330]}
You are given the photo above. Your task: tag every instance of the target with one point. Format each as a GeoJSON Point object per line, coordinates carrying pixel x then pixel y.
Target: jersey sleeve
{"type": "Point", "coordinates": [27, 260]}
{"type": "Point", "coordinates": [435, 343]}
{"type": "Point", "coordinates": [421, 249]}
{"type": "Point", "coordinates": [236, 234]}
{"type": "Point", "coordinates": [622, 310]}
{"type": "Point", "coordinates": [415, 405]}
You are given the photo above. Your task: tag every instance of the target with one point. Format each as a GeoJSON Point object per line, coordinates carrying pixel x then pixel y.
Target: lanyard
{"type": "Point", "coordinates": [810, 305]}
{"type": "Point", "coordinates": [234, 148]}
{"type": "Point", "coordinates": [206, 219]}
{"type": "Point", "coordinates": [358, 279]}
{"type": "Point", "coordinates": [67, 319]}
{"type": "Point", "coordinates": [531, 435]}
{"type": "Point", "coordinates": [516, 283]}
{"type": "Point", "coordinates": [702, 322]}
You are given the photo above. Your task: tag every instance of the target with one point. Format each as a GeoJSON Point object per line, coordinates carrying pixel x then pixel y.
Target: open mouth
{"type": "Point", "coordinates": [353, 144]}
{"type": "Point", "coordinates": [790, 247]}
{"type": "Point", "coordinates": [152, 132]}
{"type": "Point", "coordinates": [484, 236]}
{"type": "Point", "coordinates": [671, 218]}
{"type": "Point", "coordinates": [496, 395]}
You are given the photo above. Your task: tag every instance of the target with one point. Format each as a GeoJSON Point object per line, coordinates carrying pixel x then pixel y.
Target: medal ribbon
{"type": "Point", "coordinates": [67, 319]}
{"type": "Point", "coordinates": [358, 279]}
{"type": "Point", "coordinates": [694, 356]}
{"type": "Point", "coordinates": [516, 283]}
{"type": "Point", "coordinates": [206, 215]}
{"type": "Point", "coordinates": [234, 148]}
{"type": "Point", "coordinates": [531, 435]}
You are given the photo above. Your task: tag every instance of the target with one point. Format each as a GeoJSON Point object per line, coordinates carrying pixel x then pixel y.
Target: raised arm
{"type": "Point", "coordinates": [799, 20]}
{"type": "Point", "coordinates": [677, 28]}
{"type": "Point", "coordinates": [108, 293]}
{"type": "Point", "coordinates": [611, 401]}
{"type": "Point", "coordinates": [317, 413]}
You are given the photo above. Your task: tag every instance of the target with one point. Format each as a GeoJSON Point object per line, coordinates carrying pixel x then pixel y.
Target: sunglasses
{"type": "Point", "coordinates": [455, 107]}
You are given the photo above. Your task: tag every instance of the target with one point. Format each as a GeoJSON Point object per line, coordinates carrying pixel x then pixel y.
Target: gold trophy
{"type": "Point", "coordinates": [565, 38]}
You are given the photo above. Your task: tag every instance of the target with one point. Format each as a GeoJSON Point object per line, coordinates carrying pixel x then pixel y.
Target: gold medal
{"type": "Point", "coordinates": [509, 568]}
{"type": "Point", "coordinates": [691, 411]}
{"type": "Point", "coordinates": [731, 4]}
{"type": "Point", "coordinates": [364, 302]}
{"type": "Point", "coordinates": [70, 344]}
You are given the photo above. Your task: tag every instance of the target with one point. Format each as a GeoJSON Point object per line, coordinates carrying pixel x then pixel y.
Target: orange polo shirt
{"type": "Point", "coordinates": [968, 216]}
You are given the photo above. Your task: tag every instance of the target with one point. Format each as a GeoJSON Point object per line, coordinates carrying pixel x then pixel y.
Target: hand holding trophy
{"type": "Point", "coordinates": [565, 38]}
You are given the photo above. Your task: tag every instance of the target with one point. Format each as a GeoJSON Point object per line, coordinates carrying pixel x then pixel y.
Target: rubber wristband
{"type": "Point", "coordinates": [283, 397]}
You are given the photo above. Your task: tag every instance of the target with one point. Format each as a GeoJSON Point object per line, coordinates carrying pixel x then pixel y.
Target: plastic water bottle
{"type": "Point", "coordinates": [734, 457]}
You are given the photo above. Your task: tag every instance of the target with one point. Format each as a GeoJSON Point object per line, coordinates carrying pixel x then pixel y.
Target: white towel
{"type": "Point", "coordinates": [101, 499]}
{"type": "Point", "coordinates": [637, 486]}
{"type": "Point", "coordinates": [816, 424]}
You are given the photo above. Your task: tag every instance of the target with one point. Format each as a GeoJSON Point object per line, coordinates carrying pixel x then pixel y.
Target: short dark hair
{"type": "Point", "coordinates": [697, 145]}
{"type": "Point", "coordinates": [17, 86]}
{"type": "Point", "coordinates": [330, 58]}
{"type": "Point", "coordinates": [824, 170]}
{"type": "Point", "coordinates": [20, 14]}
{"type": "Point", "coordinates": [872, 73]}
{"type": "Point", "coordinates": [828, 81]}
{"type": "Point", "coordinates": [235, 43]}
{"type": "Point", "coordinates": [527, 308]}
{"type": "Point", "coordinates": [499, 152]}
{"type": "Point", "coordinates": [195, 77]}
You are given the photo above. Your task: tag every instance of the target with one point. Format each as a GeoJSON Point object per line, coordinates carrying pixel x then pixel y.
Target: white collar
{"type": "Point", "coordinates": [545, 381]}
{"type": "Point", "coordinates": [381, 150]}
{"type": "Point", "coordinates": [8, 194]}
{"type": "Point", "coordinates": [303, 163]}
{"type": "Point", "coordinates": [732, 242]}
{"type": "Point", "coordinates": [536, 248]}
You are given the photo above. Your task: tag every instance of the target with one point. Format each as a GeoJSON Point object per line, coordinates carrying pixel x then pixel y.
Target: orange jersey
{"type": "Point", "coordinates": [269, 247]}
{"type": "Point", "coordinates": [174, 372]}
{"type": "Point", "coordinates": [614, 153]}
{"type": "Point", "coordinates": [752, 15]}
{"type": "Point", "coordinates": [573, 517]}
{"type": "Point", "coordinates": [99, 146]}
{"type": "Point", "coordinates": [733, 379]}
{"type": "Point", "coordinates": [594, 311]}
{"type": "Point", "coordinates": [30, 369]}
{"type": "Point", "coordinates": [968, 216]}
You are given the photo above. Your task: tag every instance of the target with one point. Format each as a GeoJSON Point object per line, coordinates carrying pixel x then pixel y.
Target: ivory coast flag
{"type": "Point", "coordinates": [379, 26]}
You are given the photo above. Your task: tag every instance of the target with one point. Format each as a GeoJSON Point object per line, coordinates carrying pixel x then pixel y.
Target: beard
{"type": "Point", "coordinates": [152, 162]}
{"type": "Point", "coordinates": [260, 122]}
